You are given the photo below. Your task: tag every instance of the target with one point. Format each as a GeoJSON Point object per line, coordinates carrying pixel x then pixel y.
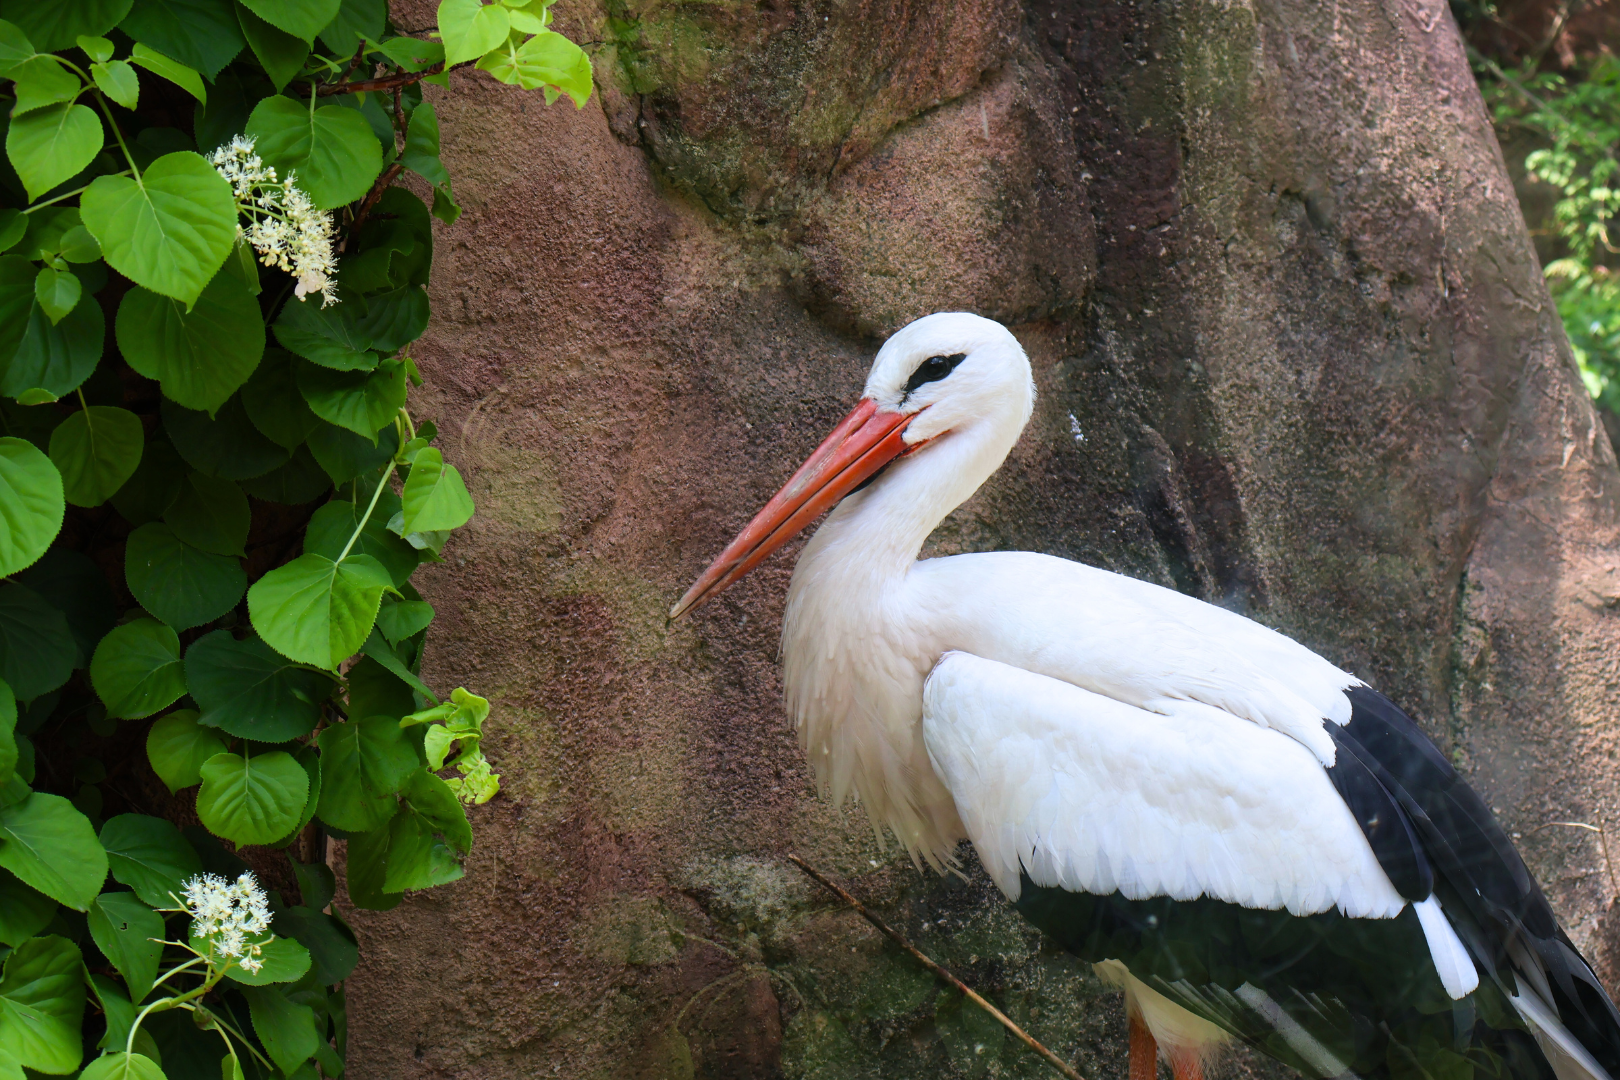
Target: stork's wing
{"type": "Point", "coordinates": [1088, 794]}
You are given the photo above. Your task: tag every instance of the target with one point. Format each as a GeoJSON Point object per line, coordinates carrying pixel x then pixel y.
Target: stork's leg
{"type": "Point", "coordinates": [1186, 1066]}
{"type": "Point", "coordinates": [1144, 1052]}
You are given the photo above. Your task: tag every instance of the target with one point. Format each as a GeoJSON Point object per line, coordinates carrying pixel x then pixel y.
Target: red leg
{"type": "Point", "coordinates": [1186, 1066]}
{"type": "Point", "coordinates": [1144, 1052]}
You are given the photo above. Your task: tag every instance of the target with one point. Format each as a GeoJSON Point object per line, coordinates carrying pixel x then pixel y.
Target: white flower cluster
{"type": "Point", "coordinates": [283, 227]}
{"type": "Point", "coordinates": [227, 914]}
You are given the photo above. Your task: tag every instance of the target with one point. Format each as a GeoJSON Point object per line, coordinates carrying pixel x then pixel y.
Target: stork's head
{"type": "Point", "coordinates": [949, 373]}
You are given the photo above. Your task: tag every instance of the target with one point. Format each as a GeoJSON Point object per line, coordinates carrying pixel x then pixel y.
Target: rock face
{"type": "Point", "coordinates": [1294, 357]}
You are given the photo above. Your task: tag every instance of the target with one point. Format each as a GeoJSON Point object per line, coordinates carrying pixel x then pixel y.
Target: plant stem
{"type": "Point", "coordinates": [375, 495]}
{"type": "Point", "coordinates": [134, 170]}
{"type": "Point", "coordinates": [387, 82]}
{"type": "Point", "coordinates": [1023, 1036]}
{"type": "Point", "coordinates": [69, 194]}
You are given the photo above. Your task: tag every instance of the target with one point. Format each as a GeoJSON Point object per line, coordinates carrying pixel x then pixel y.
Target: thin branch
{"type": "Point", "coordinates": [387, 82]}
{"type": "Point", "coordinates": [860, 909]}
{"type": "Point", "coordinates": [377, 189]}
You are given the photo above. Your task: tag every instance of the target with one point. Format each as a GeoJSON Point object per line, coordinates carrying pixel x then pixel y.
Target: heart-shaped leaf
{"type": "Point", "coordinates": [117, 79]}
{"type": "Point", "coordinates": [359, 401]}
{"type": "Point", "coordinates": [31, 504]}
{"type": "Point", "coordinates": [130, 934]}
{"type": "Point", "coordinates": [334, 523]}
{"type": "Point", "coordinates": [332, 149]}
{"type": "Point", "coordinates": [281, 54]}
{"type": "Point", "coordinates": [57, 292]}
{"type": "Point", "coordinates": [96, 450]}
{"type": "Point", "coordinates": [37, 648]}
{"type": "Point", "coordinates": [178, 745]}
{"type": "Point", "coordinates": [150, 856]}
{"type": "Point", "coordinates": [318, 611]}
{"type": "Point", "coordinates": [136, 670]}
{"type": "Point", "coordinates": [328, 336]}
{"type": "Point", "coordinates": [252, 800]}
{"type": "Point", "coordinates": [435, 499]}
{"type": "Point", "coordinates": [202, 356]}
{"type": "Point", "coordinates": [53, 144]}
{"type": "Point", "coordinates": [42, 1005]}
{"type": "Point", "coordinates": [247, 689]}
{"type": "Point", "coordinates": [47, 843]}
{"type": "Point", "coordinates": [170, 230]}
{"type": "Point", "coordinates": [471, 28]}
{"type": "Point", "coordinates": [53, 27]}
{"type": "Point", "coordinates": [363, 763]}
{"type": "Point", "coordinates": [24, 911]}
{"type": "Point", "coordinates": [35, 353]}
{"type": "Point", "coordinates": [200, 34]}
{"type": "Point", "coordinates": [226, 445]}
{"type": "Point", "coordinates": [210, 514]}
{"type": "Point", "coordinates": [178, 583]}
{"type": "Point", "coordinates": [301, 18]}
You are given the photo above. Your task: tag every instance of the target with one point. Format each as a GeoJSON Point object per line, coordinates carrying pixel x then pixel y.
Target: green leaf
{"type": "Point", "coordinates": [51, 846]}
{"type": "Point", "coordinates": [13, 227]}
{"type": "Point", "coordinates": [316, 885]}
{"type": "Point", "coordinates": [332, 525]}
{"type": "Point", "coordinates": [34, 352]}
{"type": "Point", "coordinates": [410, 53]}
{"type": "Point", "coordinates": [367, 859]}
{"type": "Point", "coordinates": [150, 856]}
{"type": "Point", "coordinates": [431, 799]}
{"type": "Point", "coordinates": [148, 494]}
{"type": "Point", "coordinates": [284, 961]}
{"type": "Point", "coordinates": [177, 583]}
{"type": "Point", "coordinates": [117, 79]}
{"type": "Point", "coordinates": [345, 455]}
{"type": "Point", "coordinates": [395, 245]}
{"type": "Point", "coordinates": [400, 619]}
{"type": "Point", "coordinates": [15, 46]}
{"type": "Point", "coordinates": [358, 401]}
{"type": "Point", "coordinates": [53, 144]}
{"type": "Point", "coordinates": [328, 336]}
{"type": "Point", "coordinates": [31, 504]}
{"type": "Point", "coordinates": [24, 911]}
{"type": "Point", "coordinates": [202, 356]}
{"type": "Point", "coordinates": [227, 446]}
{"type": "Point", "coordinates": [37, 648]}
{"type": "Point", "coordinates": [545, 60]}
{"type": "Point", "coordinates": [75, 585]}
{"type": "Point", "coordinates": [129, 934]}
{"type": "Point", "coordinates": [170, 231]}
{"type": "Point", "coordinates": [198, 33]}
{"type": "Point", "coordinates": [96, 450]}
{"type": "Point", "coordinates": [332, 950]}
{"type": "Point", "coordinates": [42, 80]}
{"type": "Point", "coordinates": [332, 149]}
{"type": "Point", "coordinates": [392, 320]}
{"type": "Point", "coordinates": [122, 1065]}
{"type": "Point", "coordinates": [356, 19]}
{"type": "Point", "coordinates": [301, 18]}
{"type": "Point", "coordinates": [376, 691]}
{"type": "Point", "coordinates": [97, 48]}
{"type": "Point", "coordinates": [54, 27]}
{"type": "Point", "coordinates": [318, 611]}
{"type": "Point", "coordinates": [287, 1030]}
{"type": "Point", "coordinates": [310, 759]}
{"type": "Point", "coordinates": [247, 689]}
{"type": "Point", "coordinates": [363, 763]}
{"type": "Point", "coordinates": [417, 859]}
{"type": "Point", "coordinates": [445, 207]}
{"type": "Point", "coordinates": [136, 670]}
{"type": "Point", "coordinates": [57, 292]}
{"type": "Point", "coordinates": [178, 745]}
{"type": "Point", "coordinates": [281, 54]}
{"type": "Point", "coordinates": [183, 76]}
{"type": "Point", "coordinates": [119, 1013]}
{"type": "Point", "coordinates": [421, 154]}
{"type": "Point", "coordinates": [434, 498]}
{"type": "Point", "coordinates": [274, 404]}
{"type": "Point", "coordinates": [78, 246]}
{"type": "Point", "coordinates": [8, 737]}
{"type": "Point", "coordinates": [42, 1005]}
{"type": "Point", "coordinates": [471, 28]}
{"type": "Point", "coordinates": [299, 481]}
{"type": "Point", "coordinates": [379, 651]}
{"type": "Point", "coordinates": [210, 514]}
{"type": "Point", "coordinates": [252, 800]}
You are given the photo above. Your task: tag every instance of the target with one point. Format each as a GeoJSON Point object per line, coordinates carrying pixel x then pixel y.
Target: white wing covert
{"type": "Point", "coordinates": [1086, 793]}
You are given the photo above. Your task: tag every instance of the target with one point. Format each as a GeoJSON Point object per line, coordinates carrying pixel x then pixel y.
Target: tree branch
{"type": "Point", "coordinates": [387, 82]}
{"type": "Point", "coordinates": [860, 909]}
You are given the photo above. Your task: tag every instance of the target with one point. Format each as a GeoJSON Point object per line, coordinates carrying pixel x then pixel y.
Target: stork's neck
{"type": "Point", "coordinates": [877, 533]}
{"type": "Point", "coordinates": [856, 648]}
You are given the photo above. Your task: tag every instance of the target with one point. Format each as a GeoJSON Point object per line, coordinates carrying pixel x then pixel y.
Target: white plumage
{"type": "Point", "coordinates": [1092, 732]}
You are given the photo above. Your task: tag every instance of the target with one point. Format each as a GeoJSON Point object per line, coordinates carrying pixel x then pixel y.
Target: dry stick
{"type": "Point", "coordinates": [860, 909]}
{"type": "Point", "coordinates": [387, 82]}
{"type": "Point", "coordinates": [1603, 841]}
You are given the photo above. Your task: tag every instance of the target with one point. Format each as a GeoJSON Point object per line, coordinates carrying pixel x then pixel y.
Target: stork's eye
{"type": "Point", "coordinates": [934, 369]}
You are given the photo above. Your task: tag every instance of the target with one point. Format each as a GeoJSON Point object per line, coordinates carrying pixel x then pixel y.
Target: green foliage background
{"type": "Point", "coordinates": [212, 500]}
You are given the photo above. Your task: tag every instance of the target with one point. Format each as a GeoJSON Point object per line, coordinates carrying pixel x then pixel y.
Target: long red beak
{"type": "Point", "coordinates": [861, 444]}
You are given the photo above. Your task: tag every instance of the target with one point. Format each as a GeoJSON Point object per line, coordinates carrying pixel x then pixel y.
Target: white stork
{"type": "Point", "coordinates": [1252, 842]}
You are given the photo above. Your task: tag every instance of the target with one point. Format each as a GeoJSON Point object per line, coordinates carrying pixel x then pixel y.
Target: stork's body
{"type": "Point", "coordinates": [1242, 835]}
